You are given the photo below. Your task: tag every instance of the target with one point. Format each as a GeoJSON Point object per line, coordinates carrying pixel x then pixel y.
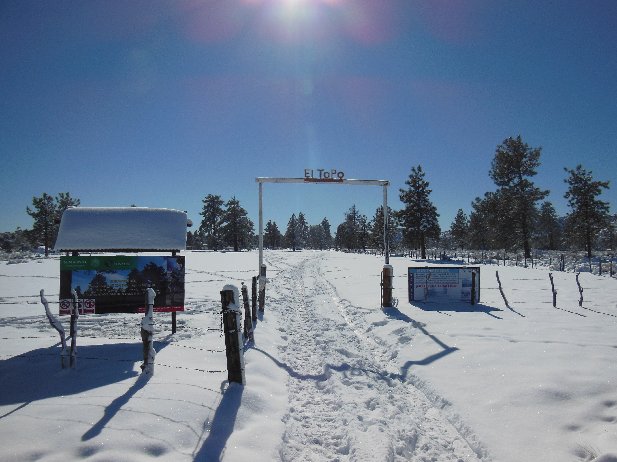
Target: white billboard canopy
{"type": "Point", "coordinates": [122, 228]}
{"type": "Point", "coordinates": [443, 283]}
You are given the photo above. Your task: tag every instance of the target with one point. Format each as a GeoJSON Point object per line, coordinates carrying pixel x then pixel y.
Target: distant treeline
{"type": "Point", "coordinates": [514, 217]}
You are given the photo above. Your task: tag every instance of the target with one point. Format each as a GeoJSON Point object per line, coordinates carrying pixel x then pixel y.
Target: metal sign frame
{"type": "Point", "coordinates": [310, 180]}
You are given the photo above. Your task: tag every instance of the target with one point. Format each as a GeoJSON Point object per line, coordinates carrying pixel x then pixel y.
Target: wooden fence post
{"type": "Point", "coordinates": [56, 324]}
{"type": "Point", "coordinates": [248, 320]}
{"type": "Point", "coordinates": [501, 290]}
{"type": "Point", "coordinates": [73, 330]}
{"type": "Point", "coordinates": [254, 299]}
{"type": "Point", "coordinates": [147, 333]}
{"type": "Point", "coordinates": [262, 287]}
{"type": "Point", "coordinates": [387, 275]}
{"type": "Point", "coordinates": [473, 287]}
{"type": "Point", "coordinates": [233, 334]}
{"type": "Point", "coordinates": [580, 290]}
{"type": "Point", "coordinates": [550, 275]}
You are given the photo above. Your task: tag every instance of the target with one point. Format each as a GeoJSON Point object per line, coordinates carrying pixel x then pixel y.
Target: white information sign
{"type": "Point", "coordinates": [443, 283]}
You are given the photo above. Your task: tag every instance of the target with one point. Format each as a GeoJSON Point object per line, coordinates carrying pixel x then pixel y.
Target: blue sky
{"type": "Point", "coordinates": [160, 103]}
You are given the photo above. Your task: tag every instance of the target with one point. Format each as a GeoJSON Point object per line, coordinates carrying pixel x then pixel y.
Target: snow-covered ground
{"type": "Point", "coordinates": [331, 376]}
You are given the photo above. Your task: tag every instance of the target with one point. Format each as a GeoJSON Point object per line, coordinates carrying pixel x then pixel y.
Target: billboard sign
{"type": "Point", "coordinates": [118, 283]}
{"type": "Point", "coordinates": [442, 283]}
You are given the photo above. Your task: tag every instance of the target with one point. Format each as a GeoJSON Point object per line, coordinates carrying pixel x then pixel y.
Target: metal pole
{"type": "Point", "coordinates": [386, 250]}
{"type": "Point", "coordinates": [261, 226]}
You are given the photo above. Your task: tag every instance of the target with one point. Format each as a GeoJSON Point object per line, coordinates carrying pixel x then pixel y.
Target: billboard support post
{"type": "Point", "coordinates": [147, 333]}
{"type": "Point", "coordinates": [73, 329]}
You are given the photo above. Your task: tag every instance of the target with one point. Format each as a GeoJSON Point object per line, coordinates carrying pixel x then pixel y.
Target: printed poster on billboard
{"type": "Point", "coordinates": [118, 283]}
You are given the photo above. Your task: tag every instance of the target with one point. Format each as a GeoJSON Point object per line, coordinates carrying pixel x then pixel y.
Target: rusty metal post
{"type": "Point", "coordinates": [386, 286]}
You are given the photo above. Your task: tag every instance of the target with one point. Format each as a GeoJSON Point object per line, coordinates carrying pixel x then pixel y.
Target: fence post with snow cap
{"type": "Point", "coordinates": [232, 326]}
{"type": "Point", "coordinates": [386, 286]}
{"type": "Point", "coordinates": [147, 333]}
{"type": "Point", "coordinates": [262, 287]}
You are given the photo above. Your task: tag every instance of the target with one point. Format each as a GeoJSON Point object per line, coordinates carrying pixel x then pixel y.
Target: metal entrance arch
{"type": "Point", "coordinates": [383, 183]}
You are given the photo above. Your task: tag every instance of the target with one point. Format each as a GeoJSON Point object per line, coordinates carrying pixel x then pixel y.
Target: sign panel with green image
{"type": "Point", "coordinates": [118, 283]}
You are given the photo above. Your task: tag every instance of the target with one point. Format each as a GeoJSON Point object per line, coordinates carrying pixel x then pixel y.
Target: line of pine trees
{"type": "Point", "coordinates": [516, 216]}
{"type": "Point", "coordinates": [46, 212]}
{"type": "Point", "coordinates": [224, 225]}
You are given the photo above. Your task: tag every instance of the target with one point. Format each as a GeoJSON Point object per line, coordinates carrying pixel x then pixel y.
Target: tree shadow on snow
{"type": "Point", "coordinates": [222, 424]}
{"type": "Point", "coordinates": [37, 374]}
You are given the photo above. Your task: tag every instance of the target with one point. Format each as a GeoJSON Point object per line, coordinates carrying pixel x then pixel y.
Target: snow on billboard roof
{"type": "Point", "coordinates": [122, 228]}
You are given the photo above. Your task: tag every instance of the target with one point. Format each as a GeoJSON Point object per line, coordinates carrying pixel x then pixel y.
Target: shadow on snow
{"type": "Point", "coordinates": [221, 426]}
{"type": "Point", "coordinates": [37, 375]}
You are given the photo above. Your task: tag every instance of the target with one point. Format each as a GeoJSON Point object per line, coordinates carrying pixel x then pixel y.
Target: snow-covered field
{"type": "Point", "coordinates": [331, 376]}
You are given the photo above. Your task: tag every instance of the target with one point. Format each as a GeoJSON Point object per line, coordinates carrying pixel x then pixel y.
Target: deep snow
{"type": "Point", "coordinates": [331, 376]}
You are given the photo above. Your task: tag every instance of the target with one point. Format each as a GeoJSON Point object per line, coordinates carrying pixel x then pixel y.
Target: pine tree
{"type": "Point", "coordinates": [327, 234]}
{"type": "Point", "coordinates": [272, 235]}
{"type": "Point", "coordinates": [47, 212]}
{"type": "Point", "coordinates": [376, 229]}
{"type": "Point", "coordinates": [302, 230]}
{"type": "Point", "coordinates": [489, 223]}
{"type": "Point", "coordinates": [419, 216]}
{"type": "Point", "coordinates": [514, 163]}
{"type": "Point", "coordinates": [63, 202]}
{"type": "Point", "coordinates": [459, 229]}
{"type": "Point", "coordinates": [353, 233]}
{"type": "Point", "coordinates": [236, 228]}
{"type": "Point", "coordinates": [210, 228]}
{"type": "Point", "coordinates": [317, 237]}
{"type": "Point", "coordinates": [291, 234]}
{"type": "Point", "coordinates": [588, 214]}
{"type": "Point", "coordinates": [548, 233]}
